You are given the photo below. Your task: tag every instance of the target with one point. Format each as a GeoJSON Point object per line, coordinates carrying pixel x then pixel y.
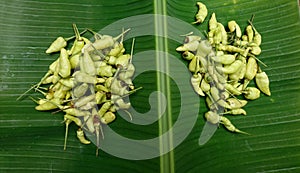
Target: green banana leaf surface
{"type": "Point", "coordinates": [32, 141]}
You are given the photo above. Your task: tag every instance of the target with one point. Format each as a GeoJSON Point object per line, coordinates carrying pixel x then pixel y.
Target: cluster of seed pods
{"type": "Point", "coordinates": [89, 82]}
{"type": "Point", "coordinates": [223, 66]}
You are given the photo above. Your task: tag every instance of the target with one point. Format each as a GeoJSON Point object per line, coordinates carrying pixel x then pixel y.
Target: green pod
{"type": "Point", "coordinates": [101, 88]}
{"type": "Point", "coordinates": [237, 111]}
{"type": "Point", "coordinates": [123, 60]}
{"type": "Point", "coordinates": [232, 89]}
{"type": "Point", "coordinates": [84, 100]}
{"type": "Point", "coordinates": [230, 48]}
{"type": "Point", "coordinates": [202, 13]}
{"type": "Point", "coordinates": [235, 103]}
{"type": "Point", "coordinates": [224, 59]}
{"type": "Point", "coordinates": [74, 60]}
{"type": "Point", "coordinates": [229, 126]}
{"type": "Point", "coordinates": [212, 117]}
{"type": "Point", "coordinates": [100, 97]}
{"type": "Point", "coordinates": [224, 36]}
{"type": "Point", "coordinates": [108, 117]}
{"type": "Point", "coordinates": [119, 102]}
{"type": "Point", "coordinates": [87, 65]}
{"type": "Point", "coordinates": [255, 50]}
{"type": "Point", "coordinates": [262, 82]}
{"type": "Point", "coordinates": [211, 105]}
{"type": "Point", "coordinates": [213, 22]}
{"type": "Point", "coordinates": [232, 68]}
{"type": "Point", "coordinates": [80, 90]}
{"type": "Point", "coordinates": [251, 68]}
{"type": "Point", "coordinates": [205, 86]}
{"type": "Point", "coordinates": [64, 64]}
{"type": "Point", "coordinates": [80, 136]}
{"type": "Point", "coordinates": [48, 104]}
{"type": "Point", "coordinates": [99, 44]}
{"type": "Point", "coordinates": [188, 55]}
{"type": "Point", "coordinates": [250, 33]}
{"type": "Point", "coordinates": [57, 45]}
{"type": "Point", "coordinates": [68, 82]}
{"type": "Point", "coordinates": [77, 47]}
{"type": "Point", "coordinates": [75, 112]}
{"type": "Point", "coordinates": [194, 66]}
{"type": "Point", "coordinates": [195, 81]}
{"type": "Point", "coordinates": [76, 120]}
{"type": "Point", "coordinates": [116, 50]}
{"type": "Point", "coordinates": [104, 108]}
{"type": "Point", "coordinates": [85, 78]}
{"type": "Point", "coordinates": [190, 46]}
{"type": "Point", "coordinates": [106, 71]}
{"type": "Point", "coordinates": [251, 93]}
{"type": "Point", "coordinates": [111, 60]}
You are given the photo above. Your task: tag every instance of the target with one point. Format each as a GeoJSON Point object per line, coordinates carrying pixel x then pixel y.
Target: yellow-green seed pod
{"type": "Point", "coordinates": [238, 111]}
{"type": "Point", "coordinates": [211, 105]}
{"type": "Point", "coordinates": [213, 22]}
{"type": "Point", "coordinates": [80, 136]}
{"type": "Point", "coordinates": [111, 60]}
{"type": "Point", "coordinates": [224, 59]}
{"type": "Point", "coordinates": [250, 33]}
{"type": "Point", "coordinates": [229, 126]}
{"type": "Point", "coordinates": [99, 44]}
{"type": "Point", "coordinates": [68, 82]}
{"type": "Point", "coordinates": [104, 108]}
{"type": "Point", "coordinates": [100, 97]}
{"type": "Point", "coordinates": [224, 37]}
{"type": "Point", "coordinates": [108, 117]}
{"type": "Point", "coordinates": [77, 47]}
{"type": "Point", "coordinates": [205, 86]}
{"type": "Point", "coordinates": [230, 48]}
{"type": "Point", "coordinates": [232, 68]}
{"type": "Point", "coordinates": [190, 46]}
{"type": "Point", "coordinates": [119, 102]}
{"type": "Point", "coordinates": [106, 71]}
{"type": "Point", "coordinates": [48, 104]}
{"type": "Point", "coordinates": [233, 26]}
{"type": "Point", "coordinates": [232, 89]}
{"type": "Point", "coordinates": [80, 90]}
{"type": "Point", "coordinates": [204, 48]}
{"type": "Point", "coordinates": [118, 47]}
{"type": "Point", "coordinates": [64, 64]}
{"type": "Point", "coordinates": [255, 50]}
{"type": "Point", "coordinates": [236, 103]}
{"type": "Point", "coordinates": [251, 93]}
{"type": "Point", "coordinates": [87, 65]}
{"type": "Point", "coordinates": [75, 112]}
{"type": "Point", "coordinates": [212, 117]}
{"type": "Point", "coordinates": [74, 60]}
{"type": "Point", "coordinates": [101, 88]}
{"type": "Point", "coordinates": [84, 100]}
{"type": "Point", "coordinates": [56, 45]}
{"type": "Point", "coordinates": [82, 77]}
{"type": "Point", "coordinates": [89, 123]}
{"type": "Point", "coordinates": [76, 120]}
{"type": "Point", "coordinates": [251, 68]}
{"type": "Point", "coordinates": [188, 55]}
{"type": "Point", "coordinates": [195, 81]}
{"type": "Point", "coordinates": [194, 66]}
{"type": "Point", "coordinates": [202, 13]}
{"type": "Point", "coordinates": [262, 82]}
{"type": "Point", "coordinates": [123, 60]}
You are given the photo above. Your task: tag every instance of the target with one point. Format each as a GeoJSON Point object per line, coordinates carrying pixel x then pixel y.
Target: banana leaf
{"type": "Point", "coordinates": [32, 141]}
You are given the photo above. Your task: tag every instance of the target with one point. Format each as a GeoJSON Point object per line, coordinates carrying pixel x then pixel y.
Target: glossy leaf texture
{"type": "Point", "coordinates": [32, 141]}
